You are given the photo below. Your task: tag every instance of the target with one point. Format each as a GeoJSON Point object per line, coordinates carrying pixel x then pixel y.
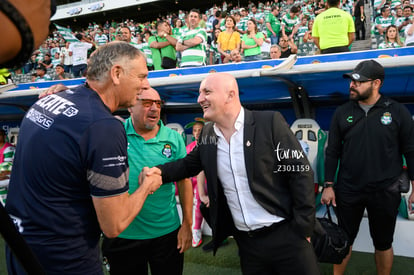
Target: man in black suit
{"type": "Point", "coordinates": [259, 182]}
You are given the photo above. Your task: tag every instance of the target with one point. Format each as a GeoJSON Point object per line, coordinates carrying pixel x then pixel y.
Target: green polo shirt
{"type": "Point", "coordinates": [274, 24]}
{"type": "Point", "coordinates": [168, 51]}
{"type": "Point", "coordinates": [159, 215]}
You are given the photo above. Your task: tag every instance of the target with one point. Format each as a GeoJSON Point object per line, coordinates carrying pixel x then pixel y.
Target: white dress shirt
{"type": "Point", "coordinates": [247, 213]}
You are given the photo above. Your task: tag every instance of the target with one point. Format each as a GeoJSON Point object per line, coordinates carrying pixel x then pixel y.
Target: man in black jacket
{"type": "Point", "coordinates": [259, 182]}
{"type": "Point", "coordinates": [368, 136]}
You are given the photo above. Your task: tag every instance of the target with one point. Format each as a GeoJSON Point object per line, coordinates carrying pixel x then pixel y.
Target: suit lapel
{"type": "Point", "coordinates": [212, 157]}
{"type": "Point", "coordinates": [248, 143]}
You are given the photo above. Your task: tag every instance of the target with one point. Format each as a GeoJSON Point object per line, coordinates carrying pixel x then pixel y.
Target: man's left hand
{"type": "Point", "coordinates": [184, 237]}
{"type": "Point", "coordinates": [53, 90]}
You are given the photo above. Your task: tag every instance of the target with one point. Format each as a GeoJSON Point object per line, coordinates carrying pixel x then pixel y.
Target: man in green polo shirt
{"type": "Point", "coordinates": [333, 30]}
{"type": "Point", "coordinates": [273, 25]}
{"type": "Point", "coordinates": [155, 236]}
{"type": "Point", "coordinates": [162, 45]}
{"type": "Point", "coordinates": [192, 43]}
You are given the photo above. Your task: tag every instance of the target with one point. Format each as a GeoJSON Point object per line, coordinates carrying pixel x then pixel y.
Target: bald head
{"type": "Point", "coordinates": [221, 81]}
{"type": "Point", "coordinates": [219, 98]}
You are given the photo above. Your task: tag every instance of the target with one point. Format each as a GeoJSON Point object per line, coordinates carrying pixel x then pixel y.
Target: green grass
{"type": "Point", "coordinates": [226, 262]}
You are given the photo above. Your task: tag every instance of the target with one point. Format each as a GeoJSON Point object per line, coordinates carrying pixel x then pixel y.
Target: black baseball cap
{"type": "Point", "coordinates": [367, 70]}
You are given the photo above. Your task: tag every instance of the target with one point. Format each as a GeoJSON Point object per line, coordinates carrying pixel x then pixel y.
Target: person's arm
{"type": "Point", "coordinates": [333, 152]}
{"type": "Point", "coordinates": [115, 213]}
{"type": "Point", "coordinates": [283, 30]}
{"type": "Point", "coordinates": [179, 47]}
{"type": "Point", "coordinates": [292, 45]}
{"type": "Point", "coordinates": [316, 41]}
{"type": "Point", "coordinates": [159, 45]}
{"type": "Point", "coordinates": [171, 39]}
{"type": "Point", "coordinates": [294, 31]}
{"type": "Point", "coordinates": [259, 41]}
{"type": "Point", "coordinates": [381, 5]}
{"type": "Point", "coordinates": [351, 37]}
{"type": "Point", "coordinates": [361, 7]}
{"type": "Point", "coordinates": [269, 27]}
{"type": "Point", "coordinates": [185, 192]}
{"type": "Point", "coordinates": [189, 166]}
{"type": "Point", "coordinates": [378, 26]}
{"type": "Point", "coordinates": [307, 37]}
{"type": "Point", "coordinates": [410, 31]}
{"type": "Point", "coordinates": [48, 66]}
{"type": "Point", "coordinates": [87, 40]}
{"type": "Point", "coordinates": [201, 179]}
{"type": "Point", "coordinates": [245, 47]}
{"type": "Point", "coordinates": [189, 43]}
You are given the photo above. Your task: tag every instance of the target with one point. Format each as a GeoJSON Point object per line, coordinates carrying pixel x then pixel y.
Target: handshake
{"type": "Point", "coordinates": [150, 179]}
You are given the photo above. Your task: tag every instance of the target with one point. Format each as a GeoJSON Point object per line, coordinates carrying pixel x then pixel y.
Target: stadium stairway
{"type": "Point", "coordinates": [363, 45]}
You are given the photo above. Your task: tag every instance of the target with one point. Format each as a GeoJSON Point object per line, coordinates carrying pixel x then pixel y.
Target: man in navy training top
{"type": "Point", "coordinates": [71, 177]}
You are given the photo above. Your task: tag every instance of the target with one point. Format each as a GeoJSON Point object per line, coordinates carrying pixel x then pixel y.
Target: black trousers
{"type": "Point", "coordinates": [359, 29]}
{"type": "Point", "coordinates": [340, 49]}
{"type": "Point", "coordinates": [279, 250]}
{"type": "Point", "coordinates": [133, 256]}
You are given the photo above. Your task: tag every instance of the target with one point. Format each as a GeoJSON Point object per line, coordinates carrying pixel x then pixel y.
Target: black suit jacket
{"type": "Point", "coordinates": [279, 174]}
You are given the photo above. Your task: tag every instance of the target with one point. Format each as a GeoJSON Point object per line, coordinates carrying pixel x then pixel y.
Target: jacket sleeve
{"type": "Point", "coordinates": [186, 167]}
{"type": "Point", "coordinates": [407, 139]}
{"type": "Point", "coordinates": [300, 182]}
{"type": "Point", "coordinates": [333, 151]}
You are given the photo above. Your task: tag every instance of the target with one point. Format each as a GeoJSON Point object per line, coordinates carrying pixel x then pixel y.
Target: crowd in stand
{"type": "Point", "coordinates": [222, 34]}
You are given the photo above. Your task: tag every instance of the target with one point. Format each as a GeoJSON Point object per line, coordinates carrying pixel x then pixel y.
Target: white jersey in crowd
{"type": "Point", "coordinates": [64, 54]}
{"type": "Point", "coordinates": [80, 52]}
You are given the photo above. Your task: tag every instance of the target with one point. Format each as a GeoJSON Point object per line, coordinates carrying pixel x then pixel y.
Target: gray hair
{"type": "Point", "coordinates": [102, 60]}
{"type": "Point", "coordinates": [276, 46]}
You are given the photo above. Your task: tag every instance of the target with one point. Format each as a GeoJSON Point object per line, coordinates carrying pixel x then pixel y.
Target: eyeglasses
{"type": "Point", "coordinates": [148, 102]}
{"type": "Point", "coordinates": [283, 40]}
{"type": "Point", "coordinates": [359, 83]}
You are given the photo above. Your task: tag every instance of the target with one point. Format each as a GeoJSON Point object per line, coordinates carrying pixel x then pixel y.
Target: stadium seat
{"type": "Point", "coordinates": [178, 128]}
{"type": "Point", "coordinates": [309, 131]}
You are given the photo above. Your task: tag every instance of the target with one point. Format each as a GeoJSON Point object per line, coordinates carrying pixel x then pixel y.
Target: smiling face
{"type": "Point", "coordinates": [212, 99]}
{"type": "Point", "coordinates": [125, 34]}
{"type": "Point", "coordinates": [132, 81]}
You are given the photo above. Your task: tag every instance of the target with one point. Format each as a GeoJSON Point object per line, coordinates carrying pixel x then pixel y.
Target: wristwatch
{"type": "Point", "coordinates": [327, 184]}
